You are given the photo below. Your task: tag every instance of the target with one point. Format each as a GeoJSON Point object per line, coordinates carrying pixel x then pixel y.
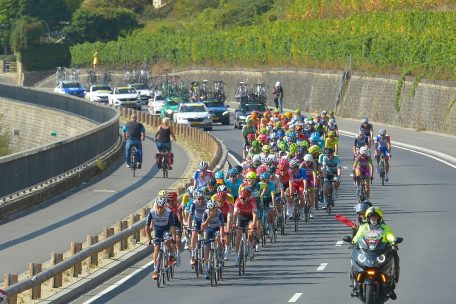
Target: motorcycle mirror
{"type": "Point", "coordinates": [399, 240]}
{"type": "Point", "coordinates": [347, 239]}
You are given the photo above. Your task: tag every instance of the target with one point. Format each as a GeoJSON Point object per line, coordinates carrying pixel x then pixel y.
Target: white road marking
{"type": "Point", "coordinates": [104, 191]}
{"type": "Point", "coordinates": [351, 174]}
{"type": "Point", "coordinates": [339, 243]}
{"type": "Point", "coordinates": [345, 168]}
{"type": "Point", "coordinates": [295, 297]}
{"type": "Point", "coordinates": [322, 266]}
{"type": "Point", "coordinates": [119, 283]}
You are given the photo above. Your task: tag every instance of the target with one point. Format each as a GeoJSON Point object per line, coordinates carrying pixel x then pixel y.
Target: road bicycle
{"type": "Point", "coordinates": [295, 214]}
{"type": "Point", "coordinates": [330, 196]}
{"type": "Point", "coordinates": [242, 253]}
{"type": "Point", "coordinates": [273, 226]}
{"type": "Point", "coordinates": [381, 168]}
{"type": "Point", "coordinates": [199, 255]}
{"type": "Point", "coordinates": [134, 156]}
{"type": "Point", "coordinates": [164, 269]}
{"type": "Point", "coordinates": [306, 205]}
{"type": "Point", "coordinates": [362, 187]}
{"type": "Point", "coordinates": [280, 217]}
{"type": "Point", "coordinates": [163, 162]}
{"type": "Point", "coordinates": [215, 262]}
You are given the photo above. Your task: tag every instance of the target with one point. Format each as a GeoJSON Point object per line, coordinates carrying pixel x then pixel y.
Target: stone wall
{"type": "Point", "coordinates": [33, 125]}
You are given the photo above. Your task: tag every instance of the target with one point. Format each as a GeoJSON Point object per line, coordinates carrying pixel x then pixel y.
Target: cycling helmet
{"type": "Point", "coordinates": [256, 144]}
{"type": "Point", "coordinates": [315, 138]}
{"type": "Point", "coordinates": [371, 210]}
{"type": "Point", "coordinates": [272, 158]}
{"type": "Point", "coordinates": [254, 114]}
{"type": "Point", "coordinates": [222, 188]}
{"type": "Point", "coordinates": [302, 149]}
{"type": "Point", "coordinates": [250, 137]}
{"type": "Point", "coordinates": [324, 112]}
{"type": "Point", "coordinates": [249, 119]}
{"type": "Point", "coordinates": [294, 163]}
{"type": "Point", "coordinates": [233, 171]}
{"type": "Point", "coordinates": [265, 175]}
{"type": "Point", "coordinates": [272, 169]}
{"type": "Point", "coordinates": [221, 195]}
{"type": "Point", "coordinates": [267, 161]}
{"type": "Point", "coordinates": [251, 175]}
{"type": "Point", "coordinates": [198, 193]}
{"type": "Point", "coordinates": [261, 169]}
{"type": "Point", "coordinates": [219, 175]}
{"type": "Point", "coordinates": [190, 190]}
{"type": "Point", "coordinates": [256, 159]}
{"type": "Point", "coordinates": [364, 151]}
{"type": "Point", "coordinates": [283, 161]}
{"type": "Point", "coordinates": [367, 202]}
{"type": "Point", "coordinates": [245, 193]}
{"type": "Point", "coordinates": [266, 149]}
{"type": "Point", "coordinates": [314, 149]}
{"type": "Point", "coordinates": [173, 195]}
{"type": "Point", "coordinates": [331, 134]}
{"type": "Point", "coordinates": [263, 131]}
{"type": "Point", "coordinates": [212, 182]}
{"type": "Point", "coordinates": [263, 138]}
{"type": "Point", "coordinates": [361, 207]}
{"type": "Point", "coordinates": [331, 121]}
{"type": "Point", "coordinates": [308, 158]}
{"type": "Point", "coordinates": [365, 120]}
{"type": "Point", "coordinates": [382, 132]}
{"type": "Point", "coordinates": [203, 165]}
{"type": "Point", "coordinates": [293, 148]}
{"type": "Point", "coordinates": [163, 193]}
{"type": "Point", "coordinates": [329, 151]}
{"type": "Point", "coordinates": [282, 167]}
{"type": "Point", "coordinates": [210, 204]}
{"type": "Point", "coordinates": [160, 201]}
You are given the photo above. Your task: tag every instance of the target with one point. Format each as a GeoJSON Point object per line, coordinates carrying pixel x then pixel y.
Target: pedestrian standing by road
{"type": "Point", "coordinates": [277, 94]}
{"type": "Point", "coordinates": [96, 59]}
{"type": "Point", "coordinates": [163, 139]}
{"type": "Point", "coordinates": [134, 132]}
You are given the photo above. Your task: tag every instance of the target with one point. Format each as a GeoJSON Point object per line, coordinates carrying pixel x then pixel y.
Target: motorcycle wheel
{"type": "Point", "coordinates": [370, 294]}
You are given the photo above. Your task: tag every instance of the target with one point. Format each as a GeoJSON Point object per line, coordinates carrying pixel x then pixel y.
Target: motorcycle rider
{"type": "Point", "coordinates": [360, 209]}
{"type": "Point", "coordinates": [376, 225]}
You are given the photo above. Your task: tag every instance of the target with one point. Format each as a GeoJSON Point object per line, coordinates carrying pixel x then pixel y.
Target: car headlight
{"type": "Point", "coordinates": [209, 116]}
{"type": "Point", "coordinates": [242, 117]}
{"type": "Point", "coordinates": [361, 258]}
{"type": "Point", "coordinates": [169, 111]}
{"type": "Point", "coordinates": [381, 258]}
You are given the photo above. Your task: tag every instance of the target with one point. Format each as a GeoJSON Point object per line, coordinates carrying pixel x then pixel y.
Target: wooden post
{"type": "Point", "coordinates": [131, 221]}
{"type": "Point", "coordinates": [143, 214]}
{"type": "Point", "coordinates": [9, 280]}
{"type": "Point", "coordinates": [34, 269]}
{"type": "Point", "coordinates": [55, 259]}
{"type": "Point", "coordinates": [124, 242]}
{"type": "Point", "coordinates": [75, 248]}
{"type": "Point", "coordinates": [137, 235]}
{"type": "Point", "coordinates": [92, 240]}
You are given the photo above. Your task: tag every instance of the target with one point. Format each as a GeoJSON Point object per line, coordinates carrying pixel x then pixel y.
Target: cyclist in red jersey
{"type": "Point", "coordinates": [173, 204]}
{"type": "Point", "coordinates": [227, 209]}
{"type": "Point", "coordinates": [245, 216]}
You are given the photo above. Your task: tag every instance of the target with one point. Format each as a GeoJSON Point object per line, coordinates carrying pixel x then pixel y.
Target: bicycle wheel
{"type": "Point", "coordinates": [241, 256]}
{"type": "Point", "coordinates": [159, 267]}
{"type": "Point", "coordinates": [295, 216]}
{"type": "Point", "coordinates": [330, 200]}
{"type": "Point", "coordinates": [133, 160]}
{"type": "Point", "coordinates": [197, 260]}
{"type": "Point", "coordinates": [201, 256]}
{"type": "Point", "coordinates": [211, 268]}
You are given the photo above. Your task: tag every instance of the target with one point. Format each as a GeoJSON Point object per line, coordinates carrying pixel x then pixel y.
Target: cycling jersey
{"type": "Point", "coordinates": [229, 198]}
{"type": "Point", "coordinates": [309, 170]}
{"type": "Point", "coordinates": [284, 177]}
{"type": "Point", "coordinates": [366, 129]}
{"type": "Point", "coordinates": [208, 193]}
{"type": "Point", "coordinates": [226, 209]}
{"type": "Point", "coordinates": [382, 142]}
{"type": "Point", "coordinates": [245, 208]}
{"type": "Point", "coordinates": [246, 130]}
{"type": "Point", "coordinates": [201, 180]}
{"type": "Point", "coordinates": [160, 220]}
{"type": "Point", "coordinates": [360, 142]}
{"type": "Point", "coordinates": [216, 222]}
{"type": "Point", "coordinates": [197, 210]}
{"type": "Point", "coordinates": [269, 186]}
{"type": "Point", "coordinates": [233, 187]}
{"type": "Point", "coordinates": [331, 143]}
{"type": "Point", "coordinates": [331, 165]}
{"type": "Point", "coordinates": [363, 161]}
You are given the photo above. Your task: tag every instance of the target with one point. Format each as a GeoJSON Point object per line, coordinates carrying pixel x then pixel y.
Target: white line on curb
{"type": "Point", "coordinates": [339, 243]}
{"type": "Point", "coordinates": [322, 266]}
{"type": "Point", "coordinates": [234, 158]}
{"type": "Point", "coordinates": [295, 297]}
{"type": "Point", "coordinates": [115, 285]}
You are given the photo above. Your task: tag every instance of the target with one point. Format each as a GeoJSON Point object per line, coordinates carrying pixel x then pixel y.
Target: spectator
{"type": "Point", "coordinates": [277, 93]}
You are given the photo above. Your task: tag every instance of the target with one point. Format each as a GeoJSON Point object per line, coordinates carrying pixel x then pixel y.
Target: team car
{"type": "Point", "coordinates": [70, 87]}
{"type": "Point", "coordinates": [144, 91]}
{"type": "Point", "coordinates": [125, 97]}
{"type": "Point", "coordinates": [194, 114]}
{"type": "Point", "coordinates": [99, 93]}
{"type": "Point", "coordinates": [156, 103]}
{"type": "Point", "coordinates": [218, 110]}
{"type": "Point", "coordinates": [245, 109]}
{"type": "Point", "coordinates": [170, 106]}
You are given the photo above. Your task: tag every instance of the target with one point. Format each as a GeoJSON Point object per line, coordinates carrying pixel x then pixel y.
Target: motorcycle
{"type": "Point", "coordinates": [374, 269]}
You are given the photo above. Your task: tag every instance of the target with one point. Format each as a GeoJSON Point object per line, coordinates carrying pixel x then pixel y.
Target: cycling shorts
{"type": "Point", "coordinates": [177, 224]}
{"type": "Point", "coordinates": [244, 220]}
{"type": "Point", "coordinates": [362, 171]}
{"type": "Point", "coordinates": [310, 183]}
{"type": "Point", "coordinates": [329, 178]}
{"type": "Point", "coordinates": [384, 150]}
{"type": "Point", "coordinates": [159, 232]}
{"type": "Point", "coordinates": [209, 234]}
{"type": "Point", "coordinates": [196, 225]}
{"type": "Point", "coordinates": [298, 186]}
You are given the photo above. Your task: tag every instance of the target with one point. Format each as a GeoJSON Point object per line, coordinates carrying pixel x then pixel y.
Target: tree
{"type": "Point", "coordinates": [51, 11]}
{"type": "Point", "coordinates": [73, 5]}
{"type": "Point", "coordinates": [26, 32]}
{"type": "Point", "coordinates": [8, 10]}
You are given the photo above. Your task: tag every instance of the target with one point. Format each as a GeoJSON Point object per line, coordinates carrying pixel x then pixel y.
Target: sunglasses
{"type": "Point", "coordinates": [250, 179]}
{"type": "Point", "coordinates": [233, 175]}
{"type": "Point", "coordinates": [200, 198]}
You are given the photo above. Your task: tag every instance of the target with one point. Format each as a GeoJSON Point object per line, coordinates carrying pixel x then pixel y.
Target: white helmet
{"type": "Point", "coordinates": [364, 151]}
{"type": "Point", "coordinates": [308, 158]}
{"type": "Point", "coordinates": [277, 84]}
{"type": "Point", "coordinates": [256, 158]}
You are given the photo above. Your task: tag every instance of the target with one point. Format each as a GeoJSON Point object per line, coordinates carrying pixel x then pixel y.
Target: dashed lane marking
{"type": "Point", "coordinates": [295, 297]}
{"type": "Point", "coordinates": [339, 243]}
{"type": "Point", "coordinates": [104, 191]}
{"type": "Point", "coordinates": [322, 266]}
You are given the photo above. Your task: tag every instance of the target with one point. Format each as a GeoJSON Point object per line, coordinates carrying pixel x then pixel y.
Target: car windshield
{"type": "Point", "coordinates": [141, 86]}
{"type": "Point", "coordinates": [214, 103]}
{"type": "Point", "coordinates": [101, 88]}
{"type": "Point", "coordinates": [126, 91]}
{"type": "Point", "coordinates": [248, 107]}
{"type": "Point", "coordinates": [192, 108]}
{"type": "Point", "coordinates": [159, 98]}
{"type": "Point", "coordinates": [67, 85]}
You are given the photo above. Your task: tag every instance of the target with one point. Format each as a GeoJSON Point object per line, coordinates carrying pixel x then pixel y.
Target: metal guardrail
{"type": "Point", "coordinates": [206, 140]}
{"type": "Point", "coordinates": [28, 168]}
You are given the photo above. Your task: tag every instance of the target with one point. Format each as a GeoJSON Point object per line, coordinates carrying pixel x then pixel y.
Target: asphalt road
{"type": "Point", "coordinates": [417, 202]}
{"type": "Point", "coordinates": [50, 227]}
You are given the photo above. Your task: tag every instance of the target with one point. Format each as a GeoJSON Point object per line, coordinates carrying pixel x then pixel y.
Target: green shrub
{"type": "Point", "coordinates": [45, 56]}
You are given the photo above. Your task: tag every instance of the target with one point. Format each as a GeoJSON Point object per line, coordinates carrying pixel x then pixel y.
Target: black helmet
{"type": "Point", "coordinates": [212, 182]}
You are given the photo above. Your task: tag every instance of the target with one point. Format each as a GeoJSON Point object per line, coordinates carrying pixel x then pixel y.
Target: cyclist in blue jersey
{"type": "Point", "coordinates": [160, 220]}
{"type": "Point", "coordinates": [331, 172]}
{"type": "Point", "coordinates": [201, 176]}
{"type": "Point", "coordinates": [195, 219]}
{"type": "Point", "coordinates": [133, 132]}
{"type": "Point", "coordinates": [212, 223]}
{"type": "Point", "coordinates": [233, 182]}
{"type": "Point", "coordinates": [383, 147]}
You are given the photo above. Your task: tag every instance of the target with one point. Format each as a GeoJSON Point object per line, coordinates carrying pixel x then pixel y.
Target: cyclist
{"type": "Point", "coordinates": [212, 222]}
{"type": "Point", "coordinates": [163, 139]}
{"type": "Point", "coordinates": [186, 202]}
{"type": "Point", "coordinates": [233, 182]}
{"type": "Point", "coordinates": [201, 176]}
{"type": "Point", "coordinates": [368, 131]}
{"type": "Point", "coordinates": [227, 209]}
{"type": "Point", "coordinates": [195, 219]}
{"type": "Point", "coordinates": [210, 189]}
{"type": "Point", "coordinates": [296, 184]}
{"type": "Point", "coordinates": [332, 142]}
{"type": "Point", "coordinates": [248, 128]}
{"type": "Point", "coordinates": [363, 167]}
{"type": "Point", "coordinates": [310, 181]}
{"type": "Point", "coordinates": [332, 126]}
{"type": "Point", "coordinates": [219, 177]}
{"type": "Point", "coordinates": [331, 172]}
{"type": "Point", "coordinates": [267, 197]}
{"type": "Point", "coordinates": [173, 204]}
{"type": "Point", "coordinates": [223, 188]}
{"type": "Point", "coordinates": [245, 216]}
{"type": "Point", "coordinates": [134, 132]}
{"type": "Point", "coordinates": [383, 147]}
{"type": "Point", "coordinates": [159, 220]}
{"type": "Point", "coordinates": [360, 141]}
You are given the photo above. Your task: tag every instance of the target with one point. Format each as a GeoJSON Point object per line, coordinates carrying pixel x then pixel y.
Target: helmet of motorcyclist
{"type": "Point", "coordinates": [370, 212]}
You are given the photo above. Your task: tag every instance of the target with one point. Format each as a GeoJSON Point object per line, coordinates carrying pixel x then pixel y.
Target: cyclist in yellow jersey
{"type": "Point", "coordinates": [332, 142]}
